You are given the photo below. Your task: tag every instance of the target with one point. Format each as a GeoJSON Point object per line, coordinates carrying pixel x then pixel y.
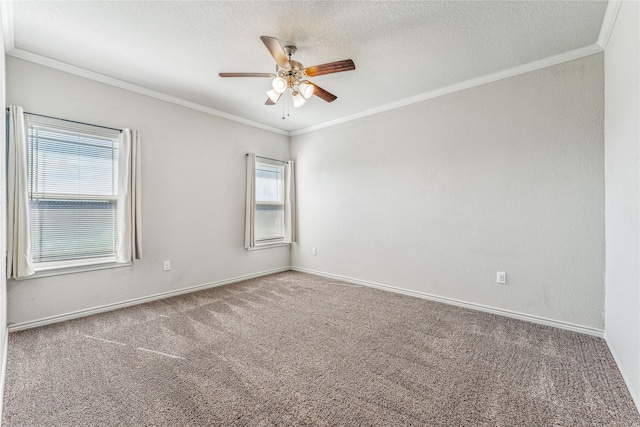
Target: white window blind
{"type": "Point", "coordinates": [269, 201]}
{"type": "Point", "coordinates": [73, 184]}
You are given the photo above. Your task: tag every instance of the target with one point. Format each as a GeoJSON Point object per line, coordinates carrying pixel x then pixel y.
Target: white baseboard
{"type": "Point", "coordinates": [632, 390]}
{"type": "Point", "coordinates": [108, 307]}
{"type": "Point", "coordinates": [3, 371]}
{"type": "Point", "coordinates": [507, 313]}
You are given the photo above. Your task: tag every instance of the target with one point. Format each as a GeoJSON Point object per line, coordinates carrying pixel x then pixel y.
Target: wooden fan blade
{"type": "Point", "coordinates": [246, 75]}
{"type": "Point", "coordinates": [321, 93]}
{"type": "Point", "coordinates": [332, 67]}
{"type": "Point", "coordinates": [276, 50]}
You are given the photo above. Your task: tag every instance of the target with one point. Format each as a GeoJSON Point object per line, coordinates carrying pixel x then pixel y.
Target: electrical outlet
{"type": "Point", "coordinates": [501, 277]}
{"type": "Point", "coordinates": [166, 266]}
{"type": "Point", "coordinates": [314, 251]}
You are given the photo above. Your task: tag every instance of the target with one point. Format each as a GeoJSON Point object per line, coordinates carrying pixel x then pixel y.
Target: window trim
{"type": "Point", "coordinates": [77, 262]}
{"type": "Point", "coordinates": [270, 245]}
{"type": "Point", "coordinates": [274, 241]}
{"type": "Point", "coordinates": [51, 268]}
{"type": "Point", "coordinates": [70, 269]}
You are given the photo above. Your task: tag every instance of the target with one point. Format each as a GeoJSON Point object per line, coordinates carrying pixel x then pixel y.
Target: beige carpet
{"type": "Point", "coordinates": [294, 349]}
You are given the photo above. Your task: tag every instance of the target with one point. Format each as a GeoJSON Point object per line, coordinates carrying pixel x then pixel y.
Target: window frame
{"type": "Point", "coordinates": [46, 268]}
{"type": "Point", "coordinates": [275, 240]}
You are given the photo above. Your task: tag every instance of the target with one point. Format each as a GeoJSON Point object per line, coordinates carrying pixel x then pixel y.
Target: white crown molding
{"type": "Point", "coordinates": [467, 84]}
{"type": "Point", "coordinates": [6, 9]}
{"type": "Point", "coordinates": [452, 301]}
{"type": "Point", "coordinates": [52, 63]}
{"type": "Point", "coordinates": [610, 15]}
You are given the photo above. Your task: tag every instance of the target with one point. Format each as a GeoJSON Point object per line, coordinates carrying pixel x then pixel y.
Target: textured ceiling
{"type": "Point", "coordinates": [401, 49]}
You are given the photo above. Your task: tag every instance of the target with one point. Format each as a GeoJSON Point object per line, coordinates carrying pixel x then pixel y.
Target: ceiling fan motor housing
{"type": "Point", "coordinates": [292, 74]}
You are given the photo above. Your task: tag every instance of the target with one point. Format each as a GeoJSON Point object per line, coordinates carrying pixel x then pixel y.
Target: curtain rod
{"type": "Point", "coordinates": [267, 158]}
{"type": "Point", "coordinates": [71, 121]}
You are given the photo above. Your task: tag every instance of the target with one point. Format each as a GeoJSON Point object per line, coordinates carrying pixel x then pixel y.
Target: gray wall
{"type": "Point", "coordinates": [3, 217]}
{"type": "Point", "coordinates": [437, 196]}
{"type": "Point", "coordinates": [622, 205]}
{"type": "Point", "coordinates": [434, 197]}
{"type": "Point", "coordinates": [193, 178]}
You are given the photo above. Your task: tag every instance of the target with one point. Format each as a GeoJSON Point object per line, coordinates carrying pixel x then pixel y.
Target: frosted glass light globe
{"type": "Point", "coordinates": [279, 84]}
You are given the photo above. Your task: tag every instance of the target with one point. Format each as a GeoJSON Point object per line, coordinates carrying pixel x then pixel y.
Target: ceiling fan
{"type": "Point", "coordinates": [293, 75]}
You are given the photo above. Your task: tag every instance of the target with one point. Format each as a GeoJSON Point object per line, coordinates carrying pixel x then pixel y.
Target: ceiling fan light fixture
{"type": "Point", "coordinates": [279, 84]}
{"type": "Point", "coordinates": [289, 74]}
{"type": "Point", "coordinates": [298, 99]}
{"type": "Point", "coordinates": [306, 89]}
{"type": "Point", "coordinates": [273, 95]}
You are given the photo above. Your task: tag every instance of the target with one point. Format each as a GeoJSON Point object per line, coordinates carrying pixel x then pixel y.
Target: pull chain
{"type": "Point", "coordinates": [285, 106]}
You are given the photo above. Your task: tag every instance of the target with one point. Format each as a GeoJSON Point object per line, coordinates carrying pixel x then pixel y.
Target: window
{"type": "Point", "coordinates": [270, 215]}
{"type": "Point", "coordinates": [269, 201]}
{"type": "Point", "coordinates": [72, 189]}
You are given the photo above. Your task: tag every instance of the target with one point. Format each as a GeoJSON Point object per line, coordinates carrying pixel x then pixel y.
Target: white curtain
{"type": "Point", "coordinates": [289, 202]}
{"type": "Point", "coordinates": [129, 198]}
{"type": "Point", "coordinates": [250, 205]}
{"type": "Point", "coordinates": [19, 260]}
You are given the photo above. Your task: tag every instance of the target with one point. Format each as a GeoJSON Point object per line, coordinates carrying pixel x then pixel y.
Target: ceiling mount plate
{"type": "Point", "coordinates": [290, 50]}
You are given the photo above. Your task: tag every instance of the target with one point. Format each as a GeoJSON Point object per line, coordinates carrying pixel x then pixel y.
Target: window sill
{"type": "Point", "coordinates": [259, 246]}
{"type": "Point", "coordinates": [69, 268]}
